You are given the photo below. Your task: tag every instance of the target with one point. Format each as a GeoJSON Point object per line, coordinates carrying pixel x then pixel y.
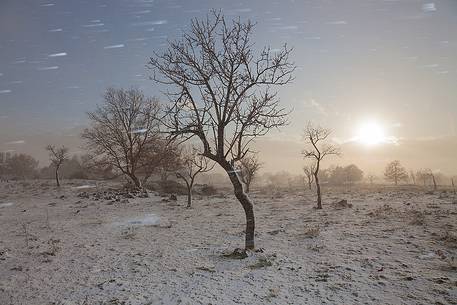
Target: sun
{"type": "Point", "coordinates": [371, 133]}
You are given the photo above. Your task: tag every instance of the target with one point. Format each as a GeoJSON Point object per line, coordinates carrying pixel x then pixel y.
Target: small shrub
{"type": "Point", "coordinates": [167, 187]}
{"type": "Point", "coordinates": [311, 232]}
{"type": "Point", "coordinates": [207, 190]}
{"type": "Point", "coordinates": [261, 263]}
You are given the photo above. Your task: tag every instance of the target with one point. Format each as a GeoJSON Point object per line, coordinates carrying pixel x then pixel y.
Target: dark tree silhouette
{"type": "Point", "coordinates": [124, 130]}
{"type": "Point", "coordinates": [21, 166]}
{"type": "Point", "coordinates": [222, 93]}
{"type": "Point", "coordinates": [249, 167]}
{"type": "Point", "coordinates": [309, 174]}
{"type": "Point", "coordinates": [57, 156]}
{"type": "Point", "coordinates": [317, 149]}
{"type": "Point", "coordinates": [192, 164]}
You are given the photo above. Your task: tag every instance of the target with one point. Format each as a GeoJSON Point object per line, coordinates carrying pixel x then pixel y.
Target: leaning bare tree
{"type": "Point", "coordinates": [249, 167]}
{"type": "Point", "coordinates": [57, 155]}
{"type": "Point", "coordinates": [309, 169]}
{"type": "Point", "coordinates": [222, 93]}
{"type": "Point", "coordinates": [192, 164]}
{"type": "Point", "coordinates": [124, 130]}
{"type": "Point", "coordinates": [317, 149]}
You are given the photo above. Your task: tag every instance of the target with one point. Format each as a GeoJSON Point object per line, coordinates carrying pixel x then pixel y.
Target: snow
{"type": "Point", "coordinates": [428, 7]}
{"type": "Point", "coordinates": [148, 23]}
{"type": "Point", "coordinates": [146, 220]}
{"type": "Point", "coordinates": [48, 68]}
{"type": "Point", "coordinates": [15, 142]}
{"type": "Point", "coordinates": [58, 54]}
{"type": "Point", "coordinates": [338, 22]}
{"type": "Point", "coordinates": [86, 186]}
{"type": "Point", "coordinates": [138, 131]}
{"type": "Point", "coordinates": [93, 25]}
{"type": "Point", "coordinates": [371, 253]}
{"type": "Point", "coordinates": [115, 46]}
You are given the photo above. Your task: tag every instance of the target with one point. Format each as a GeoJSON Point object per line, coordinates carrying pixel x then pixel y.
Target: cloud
{"type": "Point", "coordinates": [5, 91]}
{"type": "Point", "coordinates": [55, 30]}
{"type": "Point", "coordinates": [15, 142]}
{"type": "Point", "coordinates": [58, 54]}
{"type": "Point", "coordinates": [115, 46]}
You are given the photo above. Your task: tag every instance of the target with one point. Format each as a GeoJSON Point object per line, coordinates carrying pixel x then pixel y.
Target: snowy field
{"type": "Point", "coordinates": [392, 246]}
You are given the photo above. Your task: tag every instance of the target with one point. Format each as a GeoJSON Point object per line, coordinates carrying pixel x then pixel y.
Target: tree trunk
{"type": "Point", "coordinates": [318, 188]}
{"type": "Point", "coordinates": [245, 202]}
{"type": "Point", "coordinates": [434, 183]}
{"type": "Point", "coordinates": [247, 188]}
{"type": "Point", "coordinates": [57, 177]}
{"type": "Point", "coordinates": [189, 196]}
{"type": "Point", "coordinates": [135, 180]}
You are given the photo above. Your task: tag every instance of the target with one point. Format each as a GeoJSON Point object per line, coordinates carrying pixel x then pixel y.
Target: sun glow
{"type": "Point", "coordinates": [371, 133]}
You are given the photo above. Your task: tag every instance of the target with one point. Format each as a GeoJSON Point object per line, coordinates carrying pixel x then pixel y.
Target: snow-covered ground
{"type": "Point", "coordinates": [393, 246]}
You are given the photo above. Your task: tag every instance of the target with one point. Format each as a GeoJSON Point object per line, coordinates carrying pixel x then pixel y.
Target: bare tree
{"type": "Point", "coordinates": [21, 166]}
{"type": "Point", "coordinates": [124, 131]}
{"type": "Point", "coordinates": [249, 167]}
{"type": "Point", "coordinates": [423, 175]}
{"type": "Point", "coordinates": [309, 174]}
{"type": "Point", "coordinates": [163, 158]}
{"type": "Point", "coordinates": [453, 186]}
{"type": "Point", "coordinates": [317, 149]}
{"type": "Point", "coordinates": [412, 175]}
{"type": "Point", "coordinates": [395, 172]}
{"type": "Point", "coordinates": [371, 178]}
{"type": "Point", "coordinates": [192, 165]}
{"type": "Point", "coordinates": [430, 174]}
{"type": "Point", "coordinates": [217, 79]}
{"type": "Point", "coordinates": [57, 156]}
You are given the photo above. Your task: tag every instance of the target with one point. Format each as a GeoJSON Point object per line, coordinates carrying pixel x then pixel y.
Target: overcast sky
{"type": "Point", "coordinates": [392, 62]}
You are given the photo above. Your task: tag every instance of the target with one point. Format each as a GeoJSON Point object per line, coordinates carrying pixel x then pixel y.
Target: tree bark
{"type": "Point", "coordinates": [57, 177]}
{"type": "Point", "coordinates": [318, 188]}
{"type": "Point", "coordinates": [189, 196]}
{"type": "Point", "coordinates": [247, 187]}
{"type": "Point", "coordinates": [434, 183]}
{"type": "Point", "coordinates": [135, 180]}
{"type": "Point", "coordinates": [245, 203]}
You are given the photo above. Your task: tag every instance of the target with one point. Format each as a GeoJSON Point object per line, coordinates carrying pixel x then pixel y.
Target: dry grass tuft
{"type": "Point", "coordinates": [311, 232]}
